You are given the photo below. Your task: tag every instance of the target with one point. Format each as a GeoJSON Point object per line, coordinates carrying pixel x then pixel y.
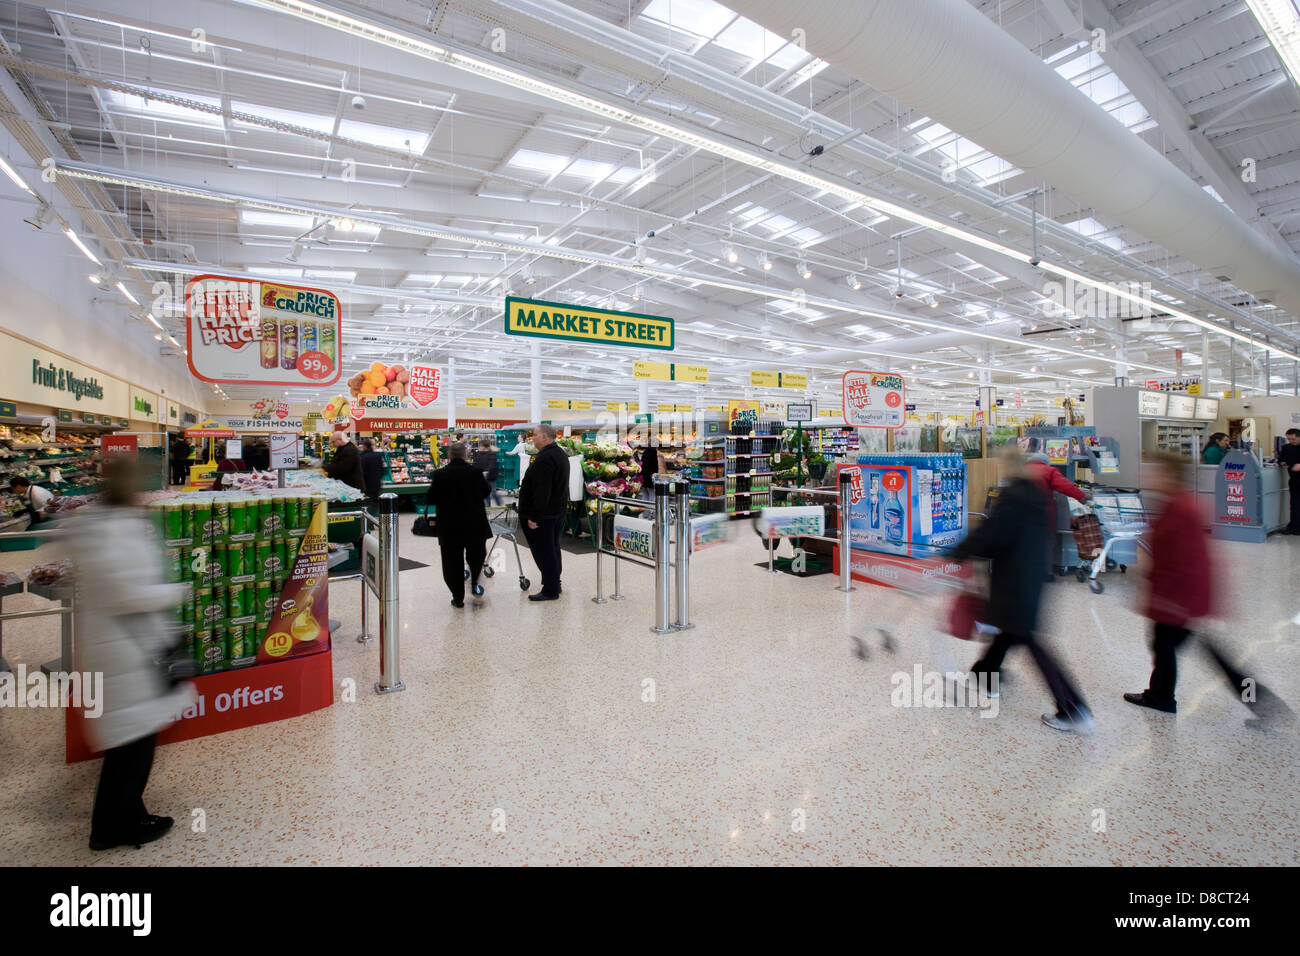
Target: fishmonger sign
{"type": "Point", "coordinates": [874, 400]}
{"type": "Point", "coordinates": [261, 333]}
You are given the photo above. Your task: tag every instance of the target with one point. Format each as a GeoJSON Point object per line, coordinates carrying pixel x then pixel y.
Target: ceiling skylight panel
{"type": "Point", "coordinates": [534, 161]}
{"type": "Point", "coordinates": [317, 122]}
{"type": "Point", "coordinates": [277, 220]}
{"type": "Point", "coordinates": [164, 111]}
{"type": "Point", "coordinates": [704, 18]}
{"type": "Point", "coordinates": [387, 137]}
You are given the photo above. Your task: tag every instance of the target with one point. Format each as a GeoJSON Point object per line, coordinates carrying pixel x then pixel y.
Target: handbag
{"type": "Point", "coordinates": [967, 608]}
{"type": "Point", "coordinates": [425, 526]}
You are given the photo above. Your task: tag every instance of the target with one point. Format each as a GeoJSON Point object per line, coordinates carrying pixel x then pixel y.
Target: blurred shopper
{"type": "Point", "coordinates": [180, 459]}
{"type": "Point", "coordinates": [124, 608]}
{"type": "Point", "coordinates": [225, 466]}
{"type": "Point", "coordinates": [259, 456]}
{"type": "Point", "coordinates": [1013, 538]}
{"type": "Point", "coordinates": [543, 500]}
{"type": "Point", "coordinates": [1215, 449]}
{"type": "Point", "coordinates": [649, 467]}
{"type": "Point", "coordinates": [345, 462]}
{"type": "Point", "coordinates": [459, 492]}
{"type": "Point", "coordinates": [372, 470]}
{"type": "Point", "coordinates": [1290, 458]}
{"type": "Point", "coordinates": [485, 460]}
{"type": "Point", "coordinates": [33, 498]}
{"type": "Point", "coordinates": [1039, 468]}
{"type": "Point", "coordinates": [1181, 588]}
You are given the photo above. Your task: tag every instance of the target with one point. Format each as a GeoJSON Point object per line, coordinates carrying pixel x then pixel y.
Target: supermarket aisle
{"type": "Point", "coordinates": [567, 732]}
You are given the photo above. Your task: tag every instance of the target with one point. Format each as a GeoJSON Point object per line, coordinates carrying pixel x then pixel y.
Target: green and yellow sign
{"type": "Point", "coordinates": [673, 408]}
{"type": "Point", "coordinates": [574, 323]}
{"type": "Point", "coordinates": [668, 372]}
{"type": "Point", "coordinates": [574, 404]}
{"type": "Point", "coordinates": [778, 380]}
{"type": "Point", "coordinates": [489, 403]}
{"type": "Point", "coordinates": [623, 406]}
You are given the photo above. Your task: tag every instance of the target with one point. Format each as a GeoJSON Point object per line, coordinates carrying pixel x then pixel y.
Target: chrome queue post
{"type": "Point", "coordinates": [660, 533]}
{"type": "Point", "coordinates": [390, 677]}
{"type": "Point", "coordinates": [846, 550]}
{"type": "Point", "coordinates": [682, 497]}
{"type": "Point", "coordinates": [600, 555]}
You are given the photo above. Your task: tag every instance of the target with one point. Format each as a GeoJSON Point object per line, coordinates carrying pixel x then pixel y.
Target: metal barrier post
{"type": "Point", "coordinates": [618, 580]}
{"type": "Point", "coordinates": [682, 493]}
{"type": "Point", "coordinates": [663, 586]}
{"type": "Point", "coordinates": [600, 548]}
{"type": "Point", "coordinates": [364, 637]}
{"type": "Point", "coordinates": [846, 550]}
{"type": "Point", "coordinates": [390, 678]}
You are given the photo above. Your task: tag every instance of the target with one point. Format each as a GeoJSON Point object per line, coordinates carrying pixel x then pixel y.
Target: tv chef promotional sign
{"type": "Point", "coordinates": [874, 400]}
{"type": "Point", "coordinates": [261, 333]}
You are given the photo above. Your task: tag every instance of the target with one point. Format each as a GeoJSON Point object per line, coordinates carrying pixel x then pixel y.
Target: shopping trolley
{"type": "Point", "coordinates": [504, 523]}
{"type": "Point", "coordinates": [1122, 516]}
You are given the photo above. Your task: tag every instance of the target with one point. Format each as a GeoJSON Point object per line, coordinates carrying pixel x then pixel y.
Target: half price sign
{"type": "Point", "coordinates": [874, 400]}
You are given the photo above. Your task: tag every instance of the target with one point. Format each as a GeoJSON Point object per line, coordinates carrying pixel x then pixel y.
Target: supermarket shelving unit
{"type": "Point", "coordinates": [749, 468]}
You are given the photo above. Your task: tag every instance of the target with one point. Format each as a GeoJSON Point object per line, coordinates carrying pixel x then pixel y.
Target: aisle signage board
{"type": "Point", "coordinates": [43, 377]}
{"type": "Point", "coordinates": [575, 323]}
{"type": "Point", "coordinates": [65, 416]}
{"type": "Point", "coordinates": [262, 425]}
{"type": "Point", "coordinates": [800, 412]}
{"type": "Point", "coordinates": [1207, 409]}
{"type": "Point", "coordinates": [873, 399]}
{"type": "Point", "coordinates": [778, 380]}
{"type": "Point", "coordinates": [1182, 406]}
{"type": "Point", "coordinates": [571, 404]}
{"type": "Point", "coordinates": [1153, 404]}
{"type": "Point", "coordinates": [673, 408]}
{"type": "Point", "coordinates": [247, 332]}
{"type": "Point", "coordinates": [209, 428]}
{"type": "Point", "coordinates": [670, 372]}
{"type": "Point", "coordinates": [739, 410]}
{"type": "Point", "coordinates": [489, 403]}
{"type": "Point", "coordinates": [284, 450]}
{"type": "Point", "coordinates": [623, 406]}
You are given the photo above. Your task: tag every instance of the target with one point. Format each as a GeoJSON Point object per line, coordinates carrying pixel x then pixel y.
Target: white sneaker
{"type": "Point", "coordinates": [1081, 724]}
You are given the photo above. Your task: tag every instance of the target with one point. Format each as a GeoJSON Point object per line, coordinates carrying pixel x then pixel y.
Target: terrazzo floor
{"type": "Point", "coordinates": [566, 732]}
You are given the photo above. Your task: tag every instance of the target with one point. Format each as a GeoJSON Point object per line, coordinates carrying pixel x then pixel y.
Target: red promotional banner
{"type": "Point", "coordinates": [423, 386]}
{"type": "Point", "coordinates": [114, 445]}
{"type": "Point", "coordinates": [261, 333]}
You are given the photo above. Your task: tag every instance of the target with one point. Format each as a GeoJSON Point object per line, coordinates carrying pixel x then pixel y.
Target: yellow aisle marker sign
{"type": "Point", "coordinates": [668, 372]}
{"type": "Point", "coordinates": [489, 403]}
{"type": "Point", "coordinates": [623, 406]}
{"type": "Point", "coordinates": [571, 404]}
{"type": "Point", "coordinates": [778, 380]}
{"type": "Point", "coordinates": [575, 323]}
{"type": "Point", "coordinates": [673, 408]}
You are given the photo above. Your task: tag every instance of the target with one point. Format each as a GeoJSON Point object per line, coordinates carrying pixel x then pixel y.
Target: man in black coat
{"type": "Point", "coordinates": [1014, 538]}
{"type": "Point", "coordinates": [543, 499]}
{"type": "Point", "coordinates": [457, 491]}
{"type": "Point", "coordinates": [372, 470]}
{"type": "Point", "coordinates": [345, 463]}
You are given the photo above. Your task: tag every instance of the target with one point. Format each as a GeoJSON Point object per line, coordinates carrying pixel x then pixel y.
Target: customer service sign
{"type": "Point", "coordinates": [261, 333]}
{"type": "Point", "coordinates": [574, 323]}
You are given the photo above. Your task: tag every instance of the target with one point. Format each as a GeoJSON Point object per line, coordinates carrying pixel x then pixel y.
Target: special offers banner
{"type": "Point", "coordinates": [261, 333]}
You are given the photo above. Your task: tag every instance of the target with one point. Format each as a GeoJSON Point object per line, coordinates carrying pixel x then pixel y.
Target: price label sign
{"type": "Point", "coordinates": [874, 399]}
{"type": "Point", "coordinates": [315, 366]}
{"type": "Point", "coordinates": [424, 385]}
{"type": "Point", "coordinates": [284, 450]}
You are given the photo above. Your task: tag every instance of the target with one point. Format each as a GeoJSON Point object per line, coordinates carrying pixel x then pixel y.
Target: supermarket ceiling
{"type": "Point", "coordinates": [671, 157]}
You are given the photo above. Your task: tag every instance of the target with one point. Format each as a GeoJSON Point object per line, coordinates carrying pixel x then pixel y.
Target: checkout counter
{"type": "Point", "coordinates": [1245, 498]}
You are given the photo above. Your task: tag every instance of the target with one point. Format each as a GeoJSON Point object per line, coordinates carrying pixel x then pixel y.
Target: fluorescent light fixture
{"type": "Point", "coordinates": [331, 275]}
{"type": "Point", "coordinates": [94, 278]}
{"type": "Point", "coordinates": [274, 272]}
{"type": "Point", "coordinates": [279, 220]}
{"type": "Point", "coordinates": [13, 174]}
{"type": "Point", "coordinates": [344, 225]}
{"type": "Point", "coordinates": [172, 340]}
{"type": "Point", "coordinates": [127, 294]}
{"type": "Point", "coordinates": [76, 241]}
{"type": "Point", "coordinates": [731, 255]}
{"type": "Point", "coordinates": [155, 322]}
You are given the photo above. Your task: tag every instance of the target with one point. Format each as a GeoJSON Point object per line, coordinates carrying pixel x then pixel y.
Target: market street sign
{"type": "Point", "coordinates": [668, 372]}
{"type": "Point", "coordinates": [554, 320]}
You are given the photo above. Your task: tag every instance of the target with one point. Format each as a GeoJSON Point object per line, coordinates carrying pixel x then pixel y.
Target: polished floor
{"type": "Point", "coordinates": [567, 732]}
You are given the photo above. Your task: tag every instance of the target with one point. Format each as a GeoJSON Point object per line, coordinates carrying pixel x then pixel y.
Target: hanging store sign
{"type": "Point", "coordinates": [778, 380]}
{"type": "Point", "coordinates": [144, 405]}
{"type": "Point", "coordinates": [572, 404]}
{"type": "Point", "coordinates": [424, 384]}
{"type": "Point", "coordinates": [210, 428]}
{"type": "Point", "coordinates": [669, 372]}
{"type": "Point", "coordinates": [264, 425]}
{"type": "Point", "coordinates": [673, 408]}
{"type": "Point", "coordinates": [800, 412]}
{"type": "Point", "coordinates": [29, 373]}
{"type": "Point", "coordinates": [623, 406]}
{"type": "Point", "coordinates": [555, 320]}
{"type": "Point", "coordinates": [489, 403]}
{"type": "Point", "coordinates": [261, 333]}
{"type": "Point", "coordinates": [740, 410]}
{"type": "Point", "coordinates": [873, 399]}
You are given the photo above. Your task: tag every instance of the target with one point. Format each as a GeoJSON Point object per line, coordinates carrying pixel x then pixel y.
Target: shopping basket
{"type": "Point", "coordinates": [1113, 517]}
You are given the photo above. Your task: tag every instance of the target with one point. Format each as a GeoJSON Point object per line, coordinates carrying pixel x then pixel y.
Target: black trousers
{"type": "Point", "coordinates": [544, 543]}
{"type": "Point", "coordinates": [456, 553]}
{"type": "Point", "coordinates": [1293, 485]}
{"type": "Point", "coordinates": [119, 799]}
{"type": "Point", "coordinates": [1069, 702]}
{"type": "Point", "coordinates": [1165, 641]}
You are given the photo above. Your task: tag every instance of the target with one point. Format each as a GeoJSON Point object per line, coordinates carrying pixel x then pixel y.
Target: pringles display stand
{"type": "Point", "coordinates": [257, 621]}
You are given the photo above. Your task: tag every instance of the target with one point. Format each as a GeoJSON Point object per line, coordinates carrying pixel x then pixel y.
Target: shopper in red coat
{"type": "Point", "coordinates": [1181, 584]}
{"type": "Point", "coordinates": [1041, 473]}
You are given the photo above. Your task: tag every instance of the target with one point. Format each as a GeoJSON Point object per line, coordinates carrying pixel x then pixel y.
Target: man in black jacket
{"type": "Point", "coordinates": [485, 460]}
{"type": "Point", "coordinates": [372, 470]}
{"type": "Point", "coordinates": [345, 463]}
{"type": "Point", "coordinates": [457, 491]}
{"type": "Point", "coordinates": [1289, 456]}
{"type": "Point", "coordinates": [1014, 538]}
{"type": "Point", "coordinates": [543, 498]}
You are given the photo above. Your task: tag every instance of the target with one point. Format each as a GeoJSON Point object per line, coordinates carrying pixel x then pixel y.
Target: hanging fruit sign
{"type": "Point", "coordinates": [874, 400]}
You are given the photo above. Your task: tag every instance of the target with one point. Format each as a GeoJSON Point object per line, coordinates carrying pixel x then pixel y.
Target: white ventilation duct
{"type": "Point", "coordinates": [948, 60]}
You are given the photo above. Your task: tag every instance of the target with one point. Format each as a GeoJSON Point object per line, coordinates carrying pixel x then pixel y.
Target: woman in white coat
{"type": "Point", "coordinates": [124, 608]}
